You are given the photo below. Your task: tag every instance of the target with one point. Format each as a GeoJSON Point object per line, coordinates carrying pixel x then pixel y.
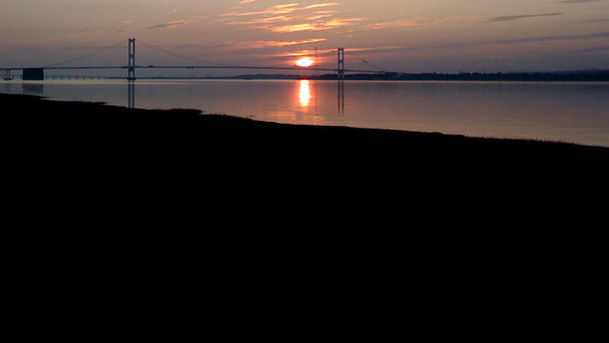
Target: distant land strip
{"type": "Point", "coordinates": [571, 76]}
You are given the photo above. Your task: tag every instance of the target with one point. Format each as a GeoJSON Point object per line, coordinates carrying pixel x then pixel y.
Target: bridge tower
{"type": "Point", "coordinates": [341, 64]}
{"type": "Point", "coordinates": [131, 63]}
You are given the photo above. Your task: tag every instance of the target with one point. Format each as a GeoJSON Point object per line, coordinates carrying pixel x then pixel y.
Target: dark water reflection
{"type": "Point", "coordinates": [571, 112]}
{"type": "Point", "coordinates": [33, 88]}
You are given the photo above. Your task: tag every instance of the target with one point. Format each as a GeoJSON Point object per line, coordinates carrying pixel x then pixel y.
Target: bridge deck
{"type": "Point", "coordinates": [198, 67]}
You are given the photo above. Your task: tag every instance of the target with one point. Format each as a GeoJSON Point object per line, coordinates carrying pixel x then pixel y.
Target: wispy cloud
{"type": "Point", "coordinates": [169, 25]}
{"type": "Point", "coordinates": [548, 38]}
{"type": "Point", "coordinates": [292, 17]}
{"type": "Point", "coordinates": [327, 4]}
{"type": "Point", "coordinates": [598, 49]}
{"type": "Point", "coordinates": [260, 20]}
{"type": "Point", "coordinates": [402, 23]}
{"type": "Point", "coordinates": [523, 16]}
{"type": "Point", "coordinates": [578, 1]}
{"type": "Point", "coordinates": [282, 9]}
{"type": "Point", "coordinates": [266, 44]}
{"type": "Point", "coordinates": [88, 30]}
{"type": "Point", "coordinates": [490, 42]}
{"type": "Point", "coordinates": [316, 26]}
{"type": "Point", "coordinates": [515, 41]}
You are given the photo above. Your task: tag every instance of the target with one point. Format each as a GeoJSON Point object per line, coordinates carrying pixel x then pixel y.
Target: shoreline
{"type": "Point", "coordinates": [100, 125]}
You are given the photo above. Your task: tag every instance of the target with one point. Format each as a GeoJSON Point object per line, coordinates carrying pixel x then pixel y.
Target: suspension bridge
{"type": "Point", "coordinates": [38, 73]}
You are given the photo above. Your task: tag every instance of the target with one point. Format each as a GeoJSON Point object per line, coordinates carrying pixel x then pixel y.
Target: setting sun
{"type": "Point", "coordinates": [305, 62]}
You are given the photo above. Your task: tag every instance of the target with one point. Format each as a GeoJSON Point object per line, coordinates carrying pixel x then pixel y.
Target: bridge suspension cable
{"type": "Point", "coordinates": [96, 52]}
{"type": "Point", "coordinates": [131, 66]}
{"type": "Point", "coordinates": [184, 57]}
{"type": "Point", "coordinates": [366, 61]}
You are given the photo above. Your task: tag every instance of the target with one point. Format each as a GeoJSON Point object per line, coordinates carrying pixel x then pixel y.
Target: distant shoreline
{"type": "Point", "coordinates": [571, 76]}
{"type": "Point", "coordinates": [559, 76]}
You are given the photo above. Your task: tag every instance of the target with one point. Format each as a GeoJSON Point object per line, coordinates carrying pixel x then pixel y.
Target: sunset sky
{"type": "Point", "coordinates": [396, 35]}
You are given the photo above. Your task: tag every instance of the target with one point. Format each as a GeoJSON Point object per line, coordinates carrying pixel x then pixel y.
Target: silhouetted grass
{"type": "Point", "coordinates": [92, 129]}
{"type": "Point", "coordinates": [97, 164]}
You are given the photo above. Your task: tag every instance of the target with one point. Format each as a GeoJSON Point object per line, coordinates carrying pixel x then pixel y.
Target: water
{"type": "Point", "coordinates": [567, 112]}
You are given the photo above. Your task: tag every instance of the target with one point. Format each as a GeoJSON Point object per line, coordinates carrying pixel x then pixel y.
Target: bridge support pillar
{"type": "Point", "coordinates": [34, 74]}
{"type": "Point", "coordinates": [341, 64]}
{"type": "Point", "coordinates": [6, 75]}
{"type": "Point", "coordinates": [130, 95]}
{"type": "Point", "coordinates": [131, 61]}
{"type": "Point", "coordinates": [341, 96]}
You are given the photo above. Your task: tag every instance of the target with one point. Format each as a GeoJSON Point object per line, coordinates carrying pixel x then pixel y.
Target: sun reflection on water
{"type": "Point", "coordinates": [305, 93]}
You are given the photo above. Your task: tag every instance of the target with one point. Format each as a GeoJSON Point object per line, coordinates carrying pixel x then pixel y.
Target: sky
{"type": "Point", "coordinates": [391, 35]}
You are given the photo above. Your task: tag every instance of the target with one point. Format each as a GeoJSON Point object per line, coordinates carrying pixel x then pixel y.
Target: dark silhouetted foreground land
{"type": "Point", "coordinates": [179, 198]}
{"type": "Point", "coordinates": [92, 128]}
{"type": "Point", "coordinates": [91, 162]}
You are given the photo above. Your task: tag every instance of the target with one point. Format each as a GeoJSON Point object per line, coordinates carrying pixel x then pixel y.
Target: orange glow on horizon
{"type": "Point", "coordinates": [305, 62]}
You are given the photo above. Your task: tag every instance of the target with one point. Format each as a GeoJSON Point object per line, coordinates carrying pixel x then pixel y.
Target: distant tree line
{"type": "Point", "coordinates": [586, 75]}
{"type": "Point", "coordinates": [595, 75]}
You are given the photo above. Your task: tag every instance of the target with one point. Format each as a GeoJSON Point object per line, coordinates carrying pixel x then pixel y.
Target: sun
{"type": "Point", "coordinates": [305, 62]}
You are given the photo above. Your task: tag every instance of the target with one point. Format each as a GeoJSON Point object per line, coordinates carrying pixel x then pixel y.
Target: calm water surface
{"type": "Point", "coordinates": [568, 112]}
